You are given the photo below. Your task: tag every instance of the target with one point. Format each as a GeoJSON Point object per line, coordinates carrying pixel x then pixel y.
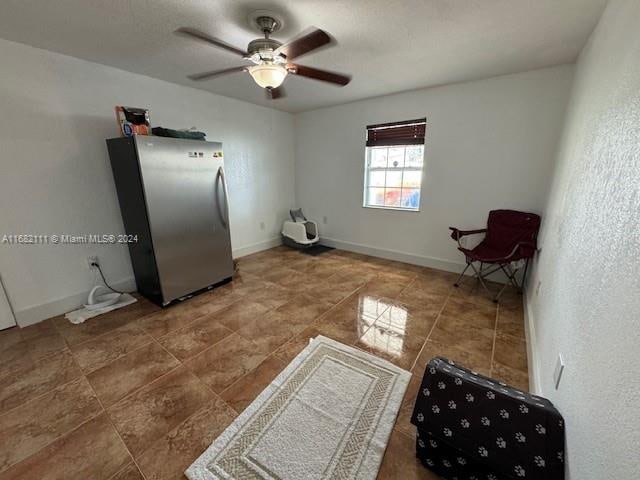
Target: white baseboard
{"type": "Point", "coordinates": [396, 255]}
{"type": "Point", "coordinates": [257, 247]}
{"type": "Point", "coordinates": [532, 358]}
{"type": "Point", "coordinates": [37, 313]}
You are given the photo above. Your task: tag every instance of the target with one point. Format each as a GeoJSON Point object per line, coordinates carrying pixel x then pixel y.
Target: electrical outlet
{"type": "Point", "coordinates": [324, 220]}
{"type": "Point", "coordinates": [91, 260]}
{"type": "Point", "coordinates": [261, 225]}
{"type": "Point", "coordinates": [557, 372]}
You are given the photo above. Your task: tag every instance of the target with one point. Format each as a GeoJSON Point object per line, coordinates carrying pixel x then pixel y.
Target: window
{"type": "Point", "coordinates": [394, 162]}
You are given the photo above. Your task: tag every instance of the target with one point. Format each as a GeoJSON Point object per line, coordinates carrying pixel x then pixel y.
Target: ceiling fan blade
{"type": "Point", "coordinates": [198, 35]}
{"type": "Point", "coordinates": [304, 44]}
{"type": "Point", "coordinates": [317, 74]}
{"type": "Point", "coordinates": [215, 73]}
{"type": "Point", "coordinates": [273, 93]}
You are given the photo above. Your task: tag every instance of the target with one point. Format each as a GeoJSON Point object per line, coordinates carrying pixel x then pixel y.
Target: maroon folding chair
{"type": "Point", "coordinates": [510, 236]}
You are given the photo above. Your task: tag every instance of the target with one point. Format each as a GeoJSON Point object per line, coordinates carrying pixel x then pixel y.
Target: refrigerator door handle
{"type": "Point", "coordinates": [224, 217]}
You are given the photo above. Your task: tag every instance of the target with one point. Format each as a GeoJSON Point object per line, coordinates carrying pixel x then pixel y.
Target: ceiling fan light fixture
{"type": "Point", "coordinates": [268, 75]}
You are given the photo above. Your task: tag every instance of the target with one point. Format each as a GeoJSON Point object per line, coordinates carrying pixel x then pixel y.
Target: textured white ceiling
{"type": "Point", "coordinates": [387, 45]}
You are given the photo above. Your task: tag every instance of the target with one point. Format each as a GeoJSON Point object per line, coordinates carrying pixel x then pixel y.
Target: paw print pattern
{"type": "Point", "coordinates": [446, 463]}
{"type": "Point", "coordinates": [501, 442]}
{"type": "Point", "coordinates": [433, 444]}
{"type": "Point", "coordinates": [491, 476]}
{"type": "Point", "coordinates": [464, 423]}
{"type": "Point", "coordinates": [441, 385]}
{"type": "Point", "coordinates": [421, 443]}
{"type": "Point", "coordinates": [485, 421]}
{"type": "Point", "coordinates": [539, 461]}
{"type": "Point", "coordinates": [560, 456]}
{"type": "Point", "coordinates": [560, 423]}
{"type": "Point", "coordinates": [519, 471]}
{"type": "Point", "coordinates": [462, 460]}
{"type": "Point", "coordinates": [426, 392]}
{"type": "Point", "coordinates": [420, 417]}
{"type": "Point", "coordinates": [452, 405]}
{"type": "Point", "coordinates": [458, 381]}
{"type": "Point", "coordinates": [432, 371]}
{"type": "Point", "coordinates": [491, 395]}
{"type": "Point", "coordinates": [540, 429]}
{"type": "Point", "coordinates": [483, 452]}
{"type": "Point", "coordinates": [469, 397]}
{"type": "Point", "coordinates": [520, 437]}
{"type": "Point", "coordinates": [429, 462]}
{"type": "Point", "coordinates": [504, 414]}
{"type": "Point", "coordinates": [435, 409]}
{"type": "Point", "coordinates": [524, 408]}
{"type": "Point", "coordinates": [447, 432]}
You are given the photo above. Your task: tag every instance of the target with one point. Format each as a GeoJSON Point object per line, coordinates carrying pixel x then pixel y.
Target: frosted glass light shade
{"type": "Point", "coordinates": [268, 75]}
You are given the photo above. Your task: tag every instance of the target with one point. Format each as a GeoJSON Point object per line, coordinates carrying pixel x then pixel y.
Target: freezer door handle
{"type": "Point", "coordinates": [224, 216]}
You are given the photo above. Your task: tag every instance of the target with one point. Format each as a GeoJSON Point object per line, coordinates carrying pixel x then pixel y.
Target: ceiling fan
{"type": "Point", "coordinates": [271, 58]}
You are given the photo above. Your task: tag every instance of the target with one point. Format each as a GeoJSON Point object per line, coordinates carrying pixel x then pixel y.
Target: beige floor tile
{"type": "Point", "coordinates": [153, 411]}
{"type": "Point", "coordinates": [515, 378]}
{"type": "Point", "coordinates": [304, 309]}
{"type": "Point", "coordinates": [130, 372]}
{"type": "Point", "coordinates": [25, 347]}
{"type": "Point", "coordinates": [477, 361]}
{"type": "Point", "coordinates": [170, 456]}
{"type": "Point", "coordinates": [247, 388]}
{"type": "Point", "coordinates": [480, 315]}
{"type": "Point", "coordinates": [195, 337]}
{"type": "Point", "coordinates": [288, 351]}
{"type": "Point", "coordinates": [414, 295]}
{"type": "Point", "coordinates": [400, 462]}
{"type": "Point", "coordinates": [130, 472]}
{"type": "Point", "coordinates": [37, 423]}
{"type": "Point", "coordinates": [172, 318]}
{"type": "Point", "coordinates": [20, 386]}
{"type": "Point", "coordinates": [454, 332]}
{"type": "Point", "coordinates": [106, 348]}
{"type": "Point", "coordinates": [511, 320]}
{"type": "Point", "coordinates": [224, 363]}
{"type": "Point", "coordinates": [92, 451]}
{"type": "Point", "coordinates": [269, 331]}
{"type": "Point", "coordinates": [278, 300]}
{"type": "Point", "coordinates": [238, 314]}
{"type": "Point", "coordinates": [511, 351]}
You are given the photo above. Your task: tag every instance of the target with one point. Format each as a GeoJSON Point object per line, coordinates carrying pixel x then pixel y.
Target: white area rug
{"type": "Point", "coordinates": [329, 414]}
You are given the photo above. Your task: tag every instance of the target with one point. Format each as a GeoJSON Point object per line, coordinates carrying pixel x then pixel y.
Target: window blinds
{"type": "Point", "coordinates": [409, 132]}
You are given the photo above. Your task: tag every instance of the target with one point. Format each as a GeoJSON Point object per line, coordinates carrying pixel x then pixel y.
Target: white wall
{"type": "Point", "coordinates": [490, 144]}
{"type": "Point", "coordinates": [55, 177]}
{"type": "Point", "coordinates": [588, 307]}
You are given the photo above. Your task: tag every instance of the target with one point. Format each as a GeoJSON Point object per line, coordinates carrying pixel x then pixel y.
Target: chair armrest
{"type": "Point", "coordinates": [458, 234]}
{"type": "Point", "coordinates": [520, 245]}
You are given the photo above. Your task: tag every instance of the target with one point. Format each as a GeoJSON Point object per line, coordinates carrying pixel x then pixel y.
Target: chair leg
{"type": "Point", "coordinates": [480, 279]}
{"type": "Point", "coordinates": [524, 276]}
{"type": "Point", "coordinates": [511, 276]}
{"type": "Point", "coordinates": [457, 283]}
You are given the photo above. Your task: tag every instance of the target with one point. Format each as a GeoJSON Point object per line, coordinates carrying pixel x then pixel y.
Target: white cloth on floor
{"type": "Point", "coordinates": [82, 314]}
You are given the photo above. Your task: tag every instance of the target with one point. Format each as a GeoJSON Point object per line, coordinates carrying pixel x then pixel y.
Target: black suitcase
{"type": "Point", "coordinates": [471, 427]}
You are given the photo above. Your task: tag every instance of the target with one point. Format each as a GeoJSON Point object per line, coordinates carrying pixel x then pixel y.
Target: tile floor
{"type": "Point", "coordinates": [139, 393]}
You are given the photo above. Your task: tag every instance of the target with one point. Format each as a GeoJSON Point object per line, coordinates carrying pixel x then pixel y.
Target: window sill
{"type": "Point", "coordinates": [395, 209]}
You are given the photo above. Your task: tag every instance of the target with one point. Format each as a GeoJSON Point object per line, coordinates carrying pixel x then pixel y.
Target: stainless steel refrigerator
{"type": "Point", "coordinates": [175, 210]}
